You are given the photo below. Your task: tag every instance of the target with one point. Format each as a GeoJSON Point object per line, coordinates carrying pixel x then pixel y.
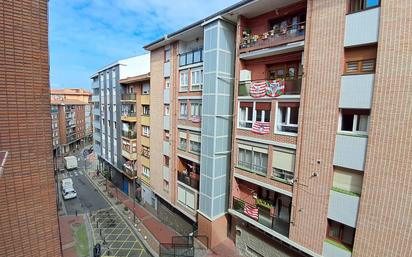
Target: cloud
{"type": "Point", "coordinates": [88, 34]}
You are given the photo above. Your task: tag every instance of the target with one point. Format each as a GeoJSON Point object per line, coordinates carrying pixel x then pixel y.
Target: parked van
{"type": "Point", "coordinates": [70, 162]}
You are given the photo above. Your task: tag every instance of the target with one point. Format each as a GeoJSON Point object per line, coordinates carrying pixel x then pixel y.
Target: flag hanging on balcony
{"type": "Point", "coordinates": [195, 119]}
{"type": "Point", "coordinates": [251, 211]}
{"type": "Point", "coordinates": [261, 128]}
{"type": "Point", "coordinates": [275, 87]}
{"type": "Point", "coordinates": [258, 88]}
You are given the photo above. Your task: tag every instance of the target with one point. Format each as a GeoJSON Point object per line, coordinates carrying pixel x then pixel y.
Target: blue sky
{"type": "Point", "coordinates": [88, 34]}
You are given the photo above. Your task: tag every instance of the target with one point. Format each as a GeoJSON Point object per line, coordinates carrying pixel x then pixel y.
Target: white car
{"type": "Point", "coordinates": [69, 193]}
{"type": "Point", "coordinates": [67, 182]}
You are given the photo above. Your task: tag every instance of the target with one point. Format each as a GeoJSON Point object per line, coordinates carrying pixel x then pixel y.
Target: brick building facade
{"type": "Point", "coordinates": [28, 210]}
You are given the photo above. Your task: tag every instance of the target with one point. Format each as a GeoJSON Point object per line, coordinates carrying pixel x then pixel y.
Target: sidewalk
{"type": "Point", "coordinates": [66, 232]}
{"type": "Point", "coordinates": [153, 231]}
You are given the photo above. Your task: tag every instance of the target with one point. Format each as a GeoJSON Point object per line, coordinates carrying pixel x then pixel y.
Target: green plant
{"type": "Point", "coordinates": [343, 191]}
{"type": "Point", "coordinates": [264, 203]}
{"type": "Point", "coordinates": [238, 205]}
{"type": "Point", "coordinates": [337, 244]}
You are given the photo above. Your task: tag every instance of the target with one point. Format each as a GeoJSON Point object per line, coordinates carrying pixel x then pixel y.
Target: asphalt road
{"type": "Point", "coordinates": [88, 198]}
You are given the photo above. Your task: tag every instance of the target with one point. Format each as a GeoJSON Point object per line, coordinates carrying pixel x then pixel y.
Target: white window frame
{"type": "Point", "coordinates": [278, 117]}
{"type": "Point", "coordinates": [196, 85]}
{"type": "Point", "coordinates": [193, 107]}
{"type": "Point", "coordinates": [185, 112]}
{"type": "Point", "coordinates": [184, 81]}
{"type": "Point", "coordinates": [145, 171]}
{"type": "Point", "coordinates": [145, 131]}
{"type": "Point", "coordinates": [354, 125]}
{"type": "Point", "coordinates": [146, 109]}
{"type": "Point", "coordinates": [254, 116]}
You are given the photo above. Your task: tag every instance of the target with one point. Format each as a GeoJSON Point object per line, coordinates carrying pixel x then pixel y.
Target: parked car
{"type": "Point", "coordinates": [67, 183]}
{"type": "Point", "coordinates": [69, 193]}
{"type": "Point", "coordinates": [70, 162]}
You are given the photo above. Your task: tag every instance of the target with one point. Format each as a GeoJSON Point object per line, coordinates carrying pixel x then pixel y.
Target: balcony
{"type": "Point", "coordinates": [129, 171]}
{"type": "Point", "coordinates": [332, 249]}
{"type": "Point", "coordinates": [96, 124]}
{"type": "Point", "coordinates": [191, 179]}
{"type": "Point", "coordinates": [71, 138]}
{"type": "Point", "coordinates": [129, 134]}
{"type": "Point", "coordinates": [263, 213]}
{"type": "Point", "coordinates": [272, 38]}
{"type": "Point", "coordinates": [290, 87]}
{"type": "Point", "coordinates": [128, 155]}
{"type": "Point", "coordinates": [250, 167]}
{"type": "Point", "coordinates": [129, 116]}
{"type": "Point", "coordinates": [128, 97]}
{"type": "Point", "coordinates": [145, 99]}
{"type": "Point", "coordinates": [192, 57]}
{"type": "Point", "coordinates": [96, 112]}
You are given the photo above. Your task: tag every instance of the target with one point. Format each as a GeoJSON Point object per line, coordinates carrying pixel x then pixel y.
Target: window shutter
{"type": "Point", "coordinates": [181, 195]}
{"type": "Point", "coordinates": [190, 199]}
{"type": "Point", "coordinates": [283, 160]}
{"type": "Point", "coordinates": [246, 147]}
{"type": "Point", "coordinates": [195, 137]}
{"type": "Point", "coordinates": [182, 134]}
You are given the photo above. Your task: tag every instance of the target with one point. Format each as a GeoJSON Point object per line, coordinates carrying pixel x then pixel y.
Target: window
{"type": "Point", "coordinates": [167, 83]}
{"type": "Point", "coordinates": [114, 78]}
{"type": "Point", "coordinates": [360, 67]}
{"type": "Point", "coordinates": [250, 112]}
{"type": "Point", "coordinates": [146, 110]}
{"type": "Point", "coordinates": [167, 54]}
{"type": "Point", "coordinates": [183, 110]}
{"type": "Point", "coordinates": [354, 121]}
{"type": "Point", "coordinates": [146, 171]}
{"type": "Point", "coordinates": [166, 136]}
{"type": "Point", "coordinates": [146, 89]}
{"type": "Point", "coordinates": [195, 143]}
{"type": "Point", "coordinates": [186, 197]}
{"type": "Point", "coordinates": [283, 164]}
{"type": "Point", "coordinates": [197, 80]}
{"type": "Point", "coordinates": [252, 158]}
{"type": "Point", "coordinates": [359, 5]}
{"type": "Point", "coordinates": [166, 160]}
{"type": "Point", "coordinates": [195, 111]}
{"type": "Point", "coordinates": [340, 233]}
{"type": "Point", "coordinates": [287, 117]}
{"type": "Point", "coordinates": [246, 114]}
{"type": "Point", "coordinates": [165, 185]}
{"type": "Point", "coordinates": [146, 151]}
{"type": "Point", "coordinates": [145, 131]}
{"type": "Point", "coordinates": [182, 141]}
{"type": "Point", "coordinates": [184, 86]}
{"type": "Point", "coordinates": [166, 110]}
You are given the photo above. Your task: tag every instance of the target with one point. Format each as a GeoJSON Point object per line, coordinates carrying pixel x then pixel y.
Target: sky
{"type": "Point", "coordinates": [86, 35]}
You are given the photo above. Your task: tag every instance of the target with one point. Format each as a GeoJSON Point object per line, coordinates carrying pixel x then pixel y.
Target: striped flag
{"type": "Point", "coordinates": [251, 211]}
{"type": "Point", "coordinates": [258, 89]}
{"type": "Point", "coordinates": [261, 128]}
{"type": "Point", "coordinates": [195, 119]}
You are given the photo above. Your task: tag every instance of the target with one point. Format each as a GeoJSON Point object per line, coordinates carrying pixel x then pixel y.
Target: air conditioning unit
{"type": "Point", "coordinates": [245, 75]}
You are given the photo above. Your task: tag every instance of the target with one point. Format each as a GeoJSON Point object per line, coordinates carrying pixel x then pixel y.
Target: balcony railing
{"type": "Point", "coordinates": [285, 175]}
{"type": "Point", "coordinates": [128, 97]}
{"type": "Point", "coordinates": [129, 134]}
{"type": "Point", "coordinates": [292, 86]}
{"type": "Point", "coordinates": [129, 114]}
{"type": "Point", "coordinates": [258, 169]}
{"type": "Point", "coordinates": [280, 36]}
{"type": "Point", "coordinates": [191, 57]}
{"type": "Point", "coordinates": [129, 170]}
{"type": "Point", "coordinates": [191, 179]}
{"type": "Point", "coordinates": [263, 214]}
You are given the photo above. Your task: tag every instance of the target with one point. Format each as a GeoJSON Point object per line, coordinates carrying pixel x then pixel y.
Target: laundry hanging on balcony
{"type": "Point", "coordinates": [275, 88]}
{"type": "Point", "coordinates": [270, 88]}
{"type": "Point", "coordinates": [260, 127]}
{"type": "Point", "coordinates": [251, 211]}
{"type": "Point", "coordinates": [196, 119]}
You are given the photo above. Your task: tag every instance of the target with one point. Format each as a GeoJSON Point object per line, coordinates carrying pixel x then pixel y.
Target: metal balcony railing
{"type": "Point", "coordinates": [129, 134]}
{"type": "Point", "coordinates": [292, 86]}
{"type": "Point", "coordinates": [262, 215]}
{"type": "Point", "coordinates": [261, 170]}
{"type": "Point", "coordinates": [128, 97]}
{"type": "Point", "coordinates": [274, 37]}
{"type": "Point", "coordinates": [188, 180]}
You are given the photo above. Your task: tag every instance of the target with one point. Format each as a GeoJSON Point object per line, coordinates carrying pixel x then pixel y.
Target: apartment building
{"type": "Point", "coordinates": [28, 210]}
{"type": "Point", "coordinates": [54, 109]}
{"type": "Point", "coordinates": [71, 124]}
{"type": "Point", "coordinates": [307, 164]}
{"type": "Point", "coordinates": [135, 138]}
{"type": "Point", "coordinates": [109, 111]}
